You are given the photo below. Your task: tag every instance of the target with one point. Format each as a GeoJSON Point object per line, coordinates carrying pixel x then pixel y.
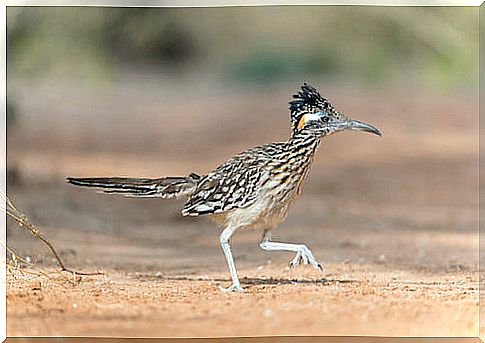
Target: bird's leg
{"type": "Point", "coordinates": [224, 238]}
{"type": "Point", "coordinates": [302, 252]}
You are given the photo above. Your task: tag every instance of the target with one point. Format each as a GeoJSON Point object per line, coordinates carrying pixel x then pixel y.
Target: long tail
{"type": "Point", "coordinates": [166, 187]}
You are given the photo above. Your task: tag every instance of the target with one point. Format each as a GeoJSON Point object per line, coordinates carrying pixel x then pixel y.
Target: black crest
{"type": "Point", "coordinates": [307, 100]}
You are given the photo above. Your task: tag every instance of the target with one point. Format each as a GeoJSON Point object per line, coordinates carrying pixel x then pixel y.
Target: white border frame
{"type": "Point", "coordinates": [146, 3]}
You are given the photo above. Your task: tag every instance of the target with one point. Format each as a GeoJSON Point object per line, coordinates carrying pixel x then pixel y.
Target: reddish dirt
{"type": "Point", "coordinates": [349, 299]}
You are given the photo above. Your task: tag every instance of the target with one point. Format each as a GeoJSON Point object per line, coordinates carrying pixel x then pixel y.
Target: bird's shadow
{"type": "Point", "coordinates": [253, 281]}
{"type": "Point", "coordinates": [282, 281]}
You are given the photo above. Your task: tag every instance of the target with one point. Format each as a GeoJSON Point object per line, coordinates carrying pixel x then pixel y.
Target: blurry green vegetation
{"type": "Point", "coordinates": [50, 40]}
{"type": "Point", "coordinates": [264, 66]}
{"type": "Point", "coordinates": [11, 114]}
{"type": "Point", "coordinates": [253, 44]}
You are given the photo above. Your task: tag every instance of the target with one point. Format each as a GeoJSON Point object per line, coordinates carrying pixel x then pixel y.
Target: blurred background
{"type": "Point", "coordinates": [164, 91]}
{"type": "Point", "coordinates": [151, 76]}
{"type": "Point", "coordinates": [160, 91]}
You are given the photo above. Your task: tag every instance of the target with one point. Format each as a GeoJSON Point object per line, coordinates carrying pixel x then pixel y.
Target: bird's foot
{"type": "Point", "coordinates": [235, 287]}
{"type": "Point", "coordinates": [305, 255]}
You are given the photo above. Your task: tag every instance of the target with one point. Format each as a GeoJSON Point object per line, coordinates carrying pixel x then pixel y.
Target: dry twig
{"type": "Point", "coordinates": [25, 223]}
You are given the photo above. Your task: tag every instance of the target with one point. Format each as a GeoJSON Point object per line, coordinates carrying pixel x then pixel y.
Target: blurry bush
{"type": "Point", "coordinates": [147, 34]}
{"type": "Point", "coordinates": [43, 41]}
{"type": "Point", "coordinates": [249, 44]}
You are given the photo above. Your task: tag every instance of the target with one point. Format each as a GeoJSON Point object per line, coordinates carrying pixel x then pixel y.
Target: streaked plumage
{"type": "Point", "coordinates": [254, 188]}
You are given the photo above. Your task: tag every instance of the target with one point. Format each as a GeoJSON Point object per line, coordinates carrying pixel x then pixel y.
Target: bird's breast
{"type": "Point", "coordinates": [278, 191]}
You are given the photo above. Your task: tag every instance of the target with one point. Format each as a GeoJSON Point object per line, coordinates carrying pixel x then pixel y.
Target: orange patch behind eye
{"type": "Point", "coordinates": [301, 122]}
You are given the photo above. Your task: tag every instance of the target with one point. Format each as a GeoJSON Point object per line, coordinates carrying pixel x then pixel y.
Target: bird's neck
{"type": "Point", "coordinates": [297, 160]}
{"type": "Point", "coordinates": [304, 140]}
{"type": "Point", "coordinates": [302, 146]}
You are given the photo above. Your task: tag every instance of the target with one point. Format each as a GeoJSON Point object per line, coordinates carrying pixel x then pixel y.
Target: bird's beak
{"type": "Point", "coordinates": [361, 126]}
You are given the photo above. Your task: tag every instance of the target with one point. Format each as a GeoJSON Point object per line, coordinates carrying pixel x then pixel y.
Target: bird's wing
{"type": "Point", "coordinates": [234, 184]}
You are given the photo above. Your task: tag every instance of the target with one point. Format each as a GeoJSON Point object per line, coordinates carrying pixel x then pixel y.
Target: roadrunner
{"type": "Point", "coordinates": [254, 188]}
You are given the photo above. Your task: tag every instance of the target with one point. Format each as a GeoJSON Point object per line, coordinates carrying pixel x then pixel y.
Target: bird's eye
{"type": "Point", "coordinates": [325, 119]}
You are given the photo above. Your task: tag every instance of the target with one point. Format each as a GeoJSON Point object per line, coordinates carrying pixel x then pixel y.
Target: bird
{"type": "Point", "coordinates": [255, 188]}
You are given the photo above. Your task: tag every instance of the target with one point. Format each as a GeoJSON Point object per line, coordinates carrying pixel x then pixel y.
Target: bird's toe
{"type": "Point", "coordinates": [295, 262]}
{"type": "Point", "coordinates": [232, 288]}
{"type": "Point", "coordinates": [318, 266]}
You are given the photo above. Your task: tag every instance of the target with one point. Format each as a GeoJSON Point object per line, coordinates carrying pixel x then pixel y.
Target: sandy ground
{"type": "Point", "coordinates": [394, 221]}
{"type": "Point", "coordinates": [349, 299]}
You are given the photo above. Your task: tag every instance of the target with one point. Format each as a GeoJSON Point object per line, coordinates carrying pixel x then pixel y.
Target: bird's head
{"type": "Point", "coordinates": [312, 113]}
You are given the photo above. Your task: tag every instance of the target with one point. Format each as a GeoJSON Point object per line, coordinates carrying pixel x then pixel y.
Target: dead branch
{"type": "Point", "coordinates": [25, 223]}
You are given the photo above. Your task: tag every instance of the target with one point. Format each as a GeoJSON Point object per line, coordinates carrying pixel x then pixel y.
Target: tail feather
{"type": "Point", "coordinates": [166, 187]}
